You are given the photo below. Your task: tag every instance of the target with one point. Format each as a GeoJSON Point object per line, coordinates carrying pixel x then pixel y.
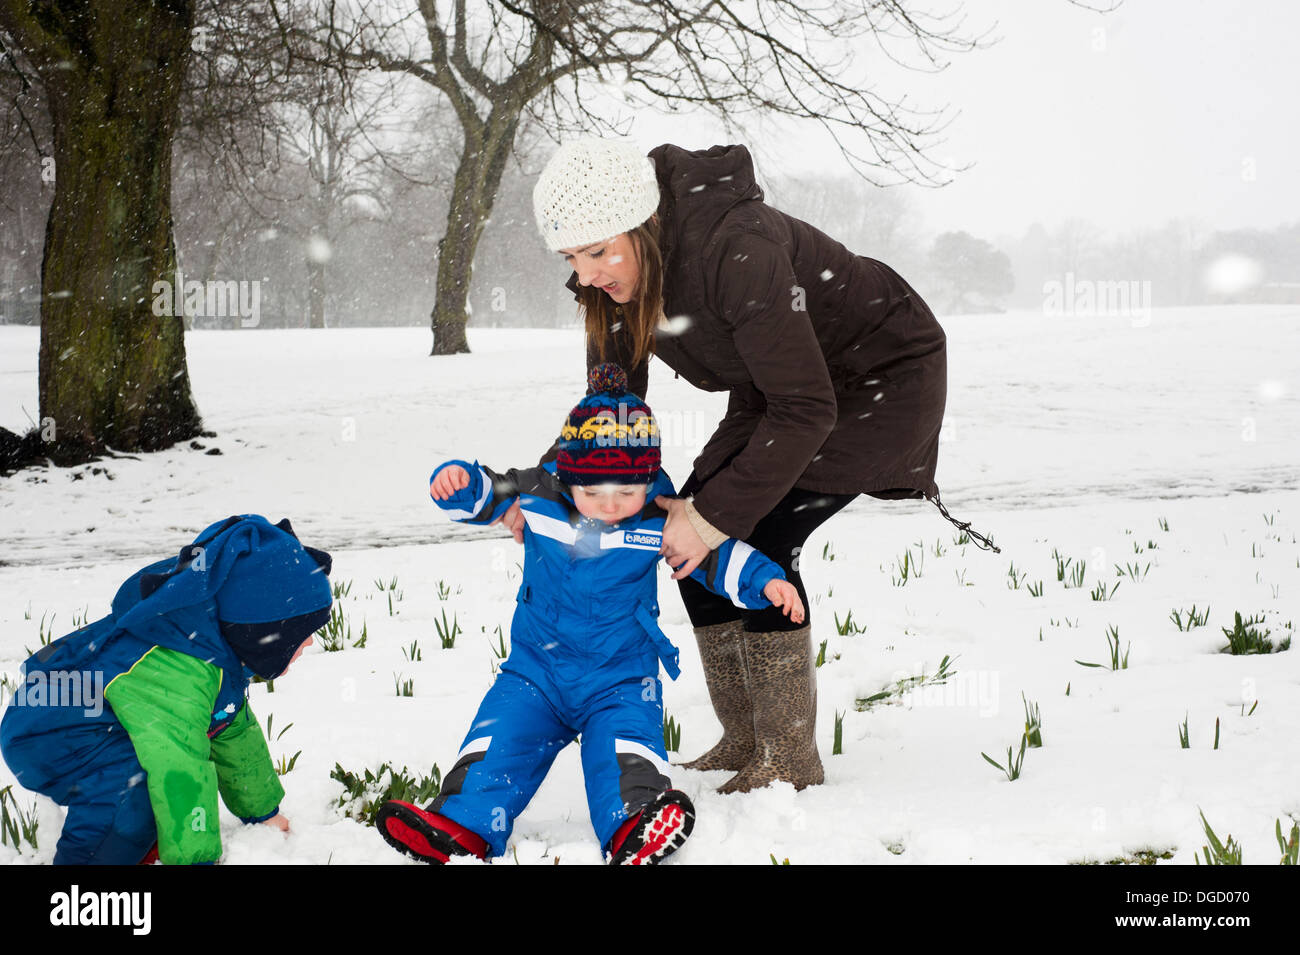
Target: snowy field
{"type": "Point", "coordinates": [1163, 455]}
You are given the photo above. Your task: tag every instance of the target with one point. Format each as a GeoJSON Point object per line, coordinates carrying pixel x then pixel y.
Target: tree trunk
{"type": "Point", "coordinates": [478, 176]}
{"type": "Point", "coordinates": [315, 286]}
{"type": "Point", "coordinates": [112, 372]}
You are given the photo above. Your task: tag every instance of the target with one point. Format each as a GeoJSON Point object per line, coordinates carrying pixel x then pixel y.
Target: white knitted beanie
{"type": "Point", "coordinates": [593, 189]}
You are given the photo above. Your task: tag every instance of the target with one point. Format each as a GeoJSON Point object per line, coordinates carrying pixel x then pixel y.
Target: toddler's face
{"type": "Point", "coordinates": [610, 503]}
{"type": "Point", "coordinates": [294, 659]}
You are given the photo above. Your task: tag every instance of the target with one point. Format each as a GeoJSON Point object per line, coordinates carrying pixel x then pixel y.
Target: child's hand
{"type": "Point", "coordinates": [448, 482]}
{"type": "Point", "coordinates": [278, 821]}
{"type": "Point", "coordinates": [783, 594]}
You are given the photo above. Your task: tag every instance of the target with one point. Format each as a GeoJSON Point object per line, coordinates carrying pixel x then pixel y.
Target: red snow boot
{"type": "Point", "coordinates": [654, 833]}
{"type": "Point", "coordinates": [425, 835]}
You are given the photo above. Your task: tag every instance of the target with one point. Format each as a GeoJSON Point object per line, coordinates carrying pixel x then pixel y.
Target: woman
{"type": "Point", "coordinates": [836, 377]}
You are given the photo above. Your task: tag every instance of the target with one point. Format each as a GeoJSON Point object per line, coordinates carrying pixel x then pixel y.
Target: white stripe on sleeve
{"type": "Point", "coordinates": [731, 581]}
{"type": "Point", "coordinates": [551, 527]}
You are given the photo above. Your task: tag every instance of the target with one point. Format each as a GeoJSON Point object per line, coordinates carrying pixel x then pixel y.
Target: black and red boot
{"type": "Point", "coordinates": [426, 836]}
{"type": "Point", "coordinates": [654, 833]}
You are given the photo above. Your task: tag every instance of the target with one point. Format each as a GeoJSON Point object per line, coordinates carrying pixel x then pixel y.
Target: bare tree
{"type": "Point", "coordinates": [112, 373]}
{"type": "Point", "coordinates": [301, 148]}
{"type": "Point", "coordinates": [971, 273]}
{"type": "Point", "coordinates": [327, 131]}
{"type": "Point", "coordinates": [548, 58]}
{"type": "Point", "coordinates": [226, 162]}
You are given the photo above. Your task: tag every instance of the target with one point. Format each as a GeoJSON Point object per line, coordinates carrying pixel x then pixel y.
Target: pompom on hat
{"type": "Point", "coordinates": [594, 189]}
{"type": "Point", "coordinates": [610, 437]}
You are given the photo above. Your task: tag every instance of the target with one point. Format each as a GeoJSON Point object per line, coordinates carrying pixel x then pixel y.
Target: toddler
{"type": "Point", "coordinates": [585, 643]}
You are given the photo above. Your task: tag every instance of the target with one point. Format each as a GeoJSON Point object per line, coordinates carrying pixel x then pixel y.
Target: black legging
{"type": "Point", "coordinates": [780, 537]}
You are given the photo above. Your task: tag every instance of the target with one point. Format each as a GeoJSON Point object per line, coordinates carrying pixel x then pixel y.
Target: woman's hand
{"type": "Point", "coordinates": [448, 481]}
{"type": "Point", "coordinates": [783, 594]}
{"type": "Point", "coordinates": [681, 545]}
{"type": "Point", "coordinates": [513, 521]}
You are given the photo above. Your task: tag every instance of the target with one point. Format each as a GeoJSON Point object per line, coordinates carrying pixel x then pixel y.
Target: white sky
{"type": "Point", "coordinates": [1184, 102]}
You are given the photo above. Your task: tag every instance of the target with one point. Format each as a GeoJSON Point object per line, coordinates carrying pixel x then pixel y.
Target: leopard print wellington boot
{"type": "Point", "coordinates": [783, 688]}
{"type": "Point", "coordinates": [722, 651]}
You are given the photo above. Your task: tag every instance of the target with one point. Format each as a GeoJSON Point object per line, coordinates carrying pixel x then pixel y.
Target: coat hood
{"type": "Point", "coordinates": [697, 187]}
{"type": "Point", "coordinates": [246, 591]}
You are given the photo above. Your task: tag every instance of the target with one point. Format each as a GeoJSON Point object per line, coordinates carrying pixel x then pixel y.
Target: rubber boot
{"type": "Point", "coordinates": [783, 688]}
{"type": "Point", "coordinates": [722, 651]}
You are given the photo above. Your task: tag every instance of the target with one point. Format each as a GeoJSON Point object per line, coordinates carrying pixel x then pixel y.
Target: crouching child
{"type": "Point", "coordinates": [163, 725]}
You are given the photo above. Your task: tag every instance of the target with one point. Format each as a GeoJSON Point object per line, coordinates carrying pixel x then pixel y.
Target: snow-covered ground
{"type": "Point", "coordinates": [1072, 435]}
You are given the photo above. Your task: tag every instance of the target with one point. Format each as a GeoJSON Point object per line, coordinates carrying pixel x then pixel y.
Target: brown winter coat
{"type": "Point", "coordinates": [836, 369]}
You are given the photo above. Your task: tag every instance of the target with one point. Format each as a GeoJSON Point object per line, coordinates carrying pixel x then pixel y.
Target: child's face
{"type": "Point", "coordinates": [294, 659]}
{"type": "Point", "coordinates": [610, 503]}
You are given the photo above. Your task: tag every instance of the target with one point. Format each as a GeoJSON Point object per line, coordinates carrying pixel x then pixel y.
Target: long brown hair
{"type": "Point", "coordinates": [633, 323]}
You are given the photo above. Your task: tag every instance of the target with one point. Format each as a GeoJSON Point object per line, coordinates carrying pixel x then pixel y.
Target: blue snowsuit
{"type": "Point", "coordinates": [584, 657]}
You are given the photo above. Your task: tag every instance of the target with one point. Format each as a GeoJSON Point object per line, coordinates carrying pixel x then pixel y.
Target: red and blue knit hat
{"type": "Point", "coordinates": [610, 437]}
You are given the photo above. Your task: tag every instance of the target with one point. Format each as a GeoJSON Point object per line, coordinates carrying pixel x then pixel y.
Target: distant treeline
{"type": "Point", "coordinates": [381, 265]}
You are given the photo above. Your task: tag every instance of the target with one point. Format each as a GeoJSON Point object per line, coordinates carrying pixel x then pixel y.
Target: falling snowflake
{"type": "Point", "coordinates": [1232, 274]}
{"type": "Point", "coordinates": [1270, 389]}
{"type": "Point", "coordinates": [319, 250]}
{"type": "Point", "coordinates": [676, 325]}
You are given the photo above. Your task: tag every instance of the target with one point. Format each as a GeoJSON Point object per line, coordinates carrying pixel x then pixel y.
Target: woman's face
{"type": "Point", "coordinates": [609, 265]}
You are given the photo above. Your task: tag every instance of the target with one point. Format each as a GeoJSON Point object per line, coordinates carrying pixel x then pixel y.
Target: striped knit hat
{"type": "Point", "coordinates": [610, 437]}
